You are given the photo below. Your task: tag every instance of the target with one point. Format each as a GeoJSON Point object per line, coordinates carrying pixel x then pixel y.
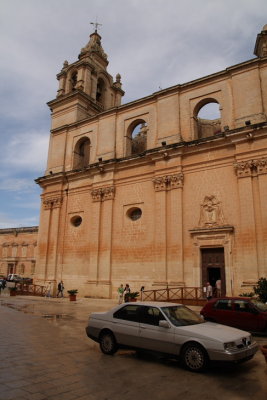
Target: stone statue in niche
{"type": "Point", "coordinates": [211, 212]}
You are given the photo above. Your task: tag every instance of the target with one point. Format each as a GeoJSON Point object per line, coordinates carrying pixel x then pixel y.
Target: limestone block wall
{"type": "Point", "coordinates": [170, 115]}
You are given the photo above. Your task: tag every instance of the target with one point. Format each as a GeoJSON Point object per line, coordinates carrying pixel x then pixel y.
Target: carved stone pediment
{"type": "Point", "coordinates": [211, 213]}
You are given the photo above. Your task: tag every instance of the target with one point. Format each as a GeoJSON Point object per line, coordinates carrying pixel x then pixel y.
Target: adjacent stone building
{"type": "Point", "coordinates": [151, 193]}
{"type": "Point", "coordinates": [18, 251]}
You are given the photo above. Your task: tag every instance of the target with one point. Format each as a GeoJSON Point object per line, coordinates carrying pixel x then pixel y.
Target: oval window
{"type": "Point", "coordinates": [76, 220]}
{"type": "Point", "coordinates": [134, 213]}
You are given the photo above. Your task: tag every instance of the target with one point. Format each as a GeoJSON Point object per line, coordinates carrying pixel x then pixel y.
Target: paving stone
{"type": "Point", "coordinates": [49, 360]}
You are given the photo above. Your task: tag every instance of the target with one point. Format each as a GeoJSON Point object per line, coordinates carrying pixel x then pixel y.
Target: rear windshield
{"type": "Point", "coordinates": [182, 316]}
{"type": "Point", "coordinates": [259, 305]}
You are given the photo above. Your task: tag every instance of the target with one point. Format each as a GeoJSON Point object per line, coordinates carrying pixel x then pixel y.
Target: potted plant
{"type": "Point", "coordinates": [72, 294]}
{"type": "Point", "coordinates": [12, 290]}
{"type": "Point", "coordinates": [132, 296]}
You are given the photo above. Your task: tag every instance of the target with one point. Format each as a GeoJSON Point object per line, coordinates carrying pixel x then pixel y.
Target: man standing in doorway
{"type": "Point", "coordinates": [208, 291]}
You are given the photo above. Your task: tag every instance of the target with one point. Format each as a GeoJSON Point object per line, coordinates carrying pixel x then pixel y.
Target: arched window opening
{"type": "Point", "coordinates": [208, 119]}
{"type": "Point", "coordinates": [81, 154]}
{"type": "Point", "coordinates": [100, 89]}
{"type": "Point", "coordinates": [138, 138]}
{"type": "Point", "coordinates": [73, 80]}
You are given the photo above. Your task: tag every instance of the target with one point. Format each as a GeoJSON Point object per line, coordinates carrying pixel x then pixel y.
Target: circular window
{"type": "Point", "coordinates": [76, 220]}
{"type": "Point", "coordinates": [134, 213]}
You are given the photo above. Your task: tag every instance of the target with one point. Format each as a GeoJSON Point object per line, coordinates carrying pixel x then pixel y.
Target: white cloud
{"type": "Point", "coordinates": [15, 184]}
{"type": "Point", "coordinates": [10, 222]}
{"type": "Point", "coordinates": [25, 151]}
{"type": "Point", "coordinates": [151, 43]}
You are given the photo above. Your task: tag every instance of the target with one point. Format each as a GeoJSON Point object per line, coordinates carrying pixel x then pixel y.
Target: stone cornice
{"type": "Point", "coordinates": [17, 231]}
{"type": "Point", "coordinates": [65, 98]}
{"type": "Point", "coordinates": [212, 229]}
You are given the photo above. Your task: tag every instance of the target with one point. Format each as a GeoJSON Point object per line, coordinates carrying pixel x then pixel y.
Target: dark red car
{"type": "Point", "coordinates": [240, 312]}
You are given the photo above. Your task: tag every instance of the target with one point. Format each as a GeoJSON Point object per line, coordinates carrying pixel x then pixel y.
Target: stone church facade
{"type": "Point", "coordinates": [149, 193]}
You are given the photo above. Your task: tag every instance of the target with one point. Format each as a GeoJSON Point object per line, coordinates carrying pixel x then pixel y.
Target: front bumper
{"type": "Point", "coordinates": [92, 333]}
{"type": "Point", "coordinates": [234, 355]}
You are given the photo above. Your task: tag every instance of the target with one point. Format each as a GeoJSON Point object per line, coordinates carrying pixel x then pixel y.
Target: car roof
{"type": "Point", "coordinates": [233, 298]}
{"type": "Point", "coordinates": [154, 303]}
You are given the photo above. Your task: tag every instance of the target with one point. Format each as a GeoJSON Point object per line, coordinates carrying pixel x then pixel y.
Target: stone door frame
{"type": "Point", "coordinates": [213, 238]}
{"type": "Point", "coordinates": [216, 264]}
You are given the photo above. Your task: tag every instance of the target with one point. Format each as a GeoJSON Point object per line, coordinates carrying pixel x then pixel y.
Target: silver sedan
{"type": "Point", "coordinates": [172, 329]}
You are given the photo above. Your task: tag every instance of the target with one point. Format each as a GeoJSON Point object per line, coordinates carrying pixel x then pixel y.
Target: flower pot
{"type": "Point", "coordinates": [72, 297]}
{"type": "Point", "coordinates": [12, 293]}
{"type": "Point", "coordinates": [132, 299]}
{"type": "Point", "coordinates": [264, 351]}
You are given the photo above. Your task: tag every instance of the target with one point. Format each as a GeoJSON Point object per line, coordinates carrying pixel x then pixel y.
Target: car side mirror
{"type": "Point", "coordinates": [164, 324]}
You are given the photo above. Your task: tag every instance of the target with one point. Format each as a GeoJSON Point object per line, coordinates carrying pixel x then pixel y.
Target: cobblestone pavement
{"type": "Point", "coordinates": [45, 354]}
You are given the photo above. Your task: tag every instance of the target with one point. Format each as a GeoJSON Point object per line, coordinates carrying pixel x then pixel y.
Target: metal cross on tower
{"type": "Point", "coordinates": [96, 24]}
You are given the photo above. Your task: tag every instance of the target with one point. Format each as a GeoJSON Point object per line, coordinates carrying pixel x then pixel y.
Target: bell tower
{"type": "Point", "coordinates": [85, 86]}
{"type": "Point", "coordinates": [260, 49]}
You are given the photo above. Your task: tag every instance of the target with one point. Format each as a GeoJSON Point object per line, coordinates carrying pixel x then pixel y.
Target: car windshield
{"type": "Point", "coordinates": [259, 305]}
{"type": "Point", "coordinates": [182, 316]}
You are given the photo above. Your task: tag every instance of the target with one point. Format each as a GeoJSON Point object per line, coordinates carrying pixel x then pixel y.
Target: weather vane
{"type": "Point", "coordinates": [96, 24]}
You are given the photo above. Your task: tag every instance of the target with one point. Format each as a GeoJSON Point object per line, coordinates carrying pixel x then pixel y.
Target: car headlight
{"type": "Point", "coordinates": [229, 345]}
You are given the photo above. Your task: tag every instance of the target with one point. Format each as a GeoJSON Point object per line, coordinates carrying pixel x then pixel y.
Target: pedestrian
{"type": "Point", "coordinates": [218, 285]}
{"type": "Point", "coordinates": [1, 285]}
{"type": "Point", "coordinates": [141, 290]}
{"type": "Point", "coordinates": [126, 292]}
{"type": "Point", "coordinates": [208, 291]}
{"type": "Point", "coordinates": [60, 289]}
{"type": "Point", "coordinates": [120, 294]}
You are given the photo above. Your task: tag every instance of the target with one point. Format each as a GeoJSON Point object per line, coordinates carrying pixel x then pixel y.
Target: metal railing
{"type": "Point", "coordinates": [183, 295]}
{"type": "Point", "coordinates": [29, 289]}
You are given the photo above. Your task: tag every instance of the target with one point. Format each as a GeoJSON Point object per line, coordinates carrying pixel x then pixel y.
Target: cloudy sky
{"type": "Point", "coordinates": [152, 43]}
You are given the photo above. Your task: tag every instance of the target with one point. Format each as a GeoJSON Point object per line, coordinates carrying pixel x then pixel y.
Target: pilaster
{"type": "Point", "coordinates": [100, 260]}
{"type": "Point", "coordinates": [261, 165]}
{"type": "Point", "coordinates": [46, 268]}
{"type": "Point", "coordinates": [168, 246]}
{"type": "Point", "coordinates": [175, 231]}
{"type": "Point", "coordinates": [246, 242]}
